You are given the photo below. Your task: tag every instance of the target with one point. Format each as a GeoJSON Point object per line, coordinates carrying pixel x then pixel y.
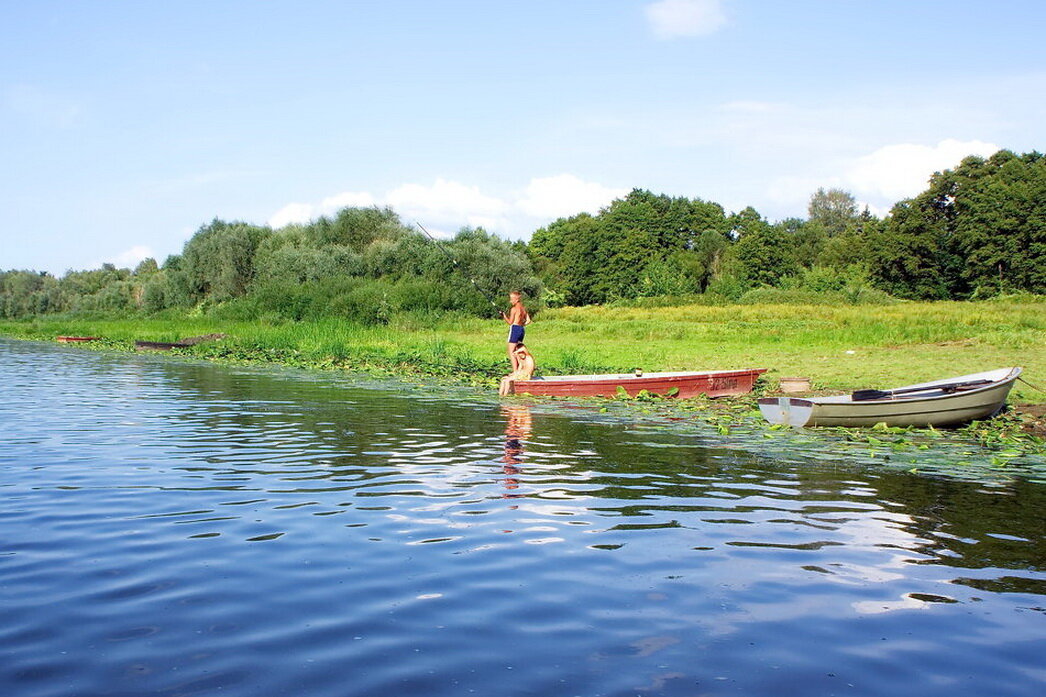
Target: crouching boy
{"type": "Point", "coordinates": [524, 361]}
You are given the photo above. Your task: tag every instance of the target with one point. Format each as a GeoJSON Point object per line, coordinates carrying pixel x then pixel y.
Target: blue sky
{"type": "Point", "coordinates": [124, 126]}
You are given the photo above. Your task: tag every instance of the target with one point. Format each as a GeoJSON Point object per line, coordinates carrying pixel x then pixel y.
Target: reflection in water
{"type": "Point", "coordinates": [518, 424]}
{"type": "Point", "coordinates": [178, 528]}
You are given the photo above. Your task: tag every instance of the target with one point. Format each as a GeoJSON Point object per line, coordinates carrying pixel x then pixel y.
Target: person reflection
{"type": "Point", "coordinates": [517, 431]}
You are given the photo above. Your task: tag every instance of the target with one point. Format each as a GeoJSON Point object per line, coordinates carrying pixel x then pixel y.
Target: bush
{"type": "Point", "coordinates": [246, 309]}
{"type": "Point", "coordinates": [553, 298]}
{"type": "Point", "coordinates": [426, 296]}
{"type": "Point", "coordinates": [728, 286]}
{"type": "Point", "coordinates": [828, 278]}
{"type": "Point", "coordinates": [296, 301]}
{"type": "Point", "coordinates": [708, 299]}
{"type": "Point", "coordinates": [366, 304]}
{"type": "Point", "coordinates": [803, 296]}
{"type": "Point", "coordinates": [665, 277]}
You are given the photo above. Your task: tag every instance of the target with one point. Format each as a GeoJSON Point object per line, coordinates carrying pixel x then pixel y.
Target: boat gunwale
{"type": "Point", "coordinates": [618, 378]}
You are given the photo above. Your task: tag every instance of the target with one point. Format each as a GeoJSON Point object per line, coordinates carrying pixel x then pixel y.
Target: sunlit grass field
{"type": "Point", "coordinates": [838, 348]}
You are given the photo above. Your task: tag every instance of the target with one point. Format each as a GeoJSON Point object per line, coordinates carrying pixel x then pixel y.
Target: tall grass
{"type": "Point", "coordinates": [839, 347]}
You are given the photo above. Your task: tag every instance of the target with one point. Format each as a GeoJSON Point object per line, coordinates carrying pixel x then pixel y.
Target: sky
{"type": "Point", "coordinates": [125, 126]}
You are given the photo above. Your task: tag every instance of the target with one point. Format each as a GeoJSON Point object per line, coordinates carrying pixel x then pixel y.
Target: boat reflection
{"type": "Point", "coordinates": [518, 426]}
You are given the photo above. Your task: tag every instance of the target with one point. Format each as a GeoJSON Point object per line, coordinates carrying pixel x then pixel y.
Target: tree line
{"type": "Point", "coordinates": [976, 231]}
{"type": "Point", "coordinates": [362, 264]}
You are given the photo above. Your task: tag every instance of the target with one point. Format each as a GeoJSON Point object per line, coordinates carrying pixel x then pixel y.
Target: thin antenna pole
{"type": "Point", "coordinates": [450, 256]}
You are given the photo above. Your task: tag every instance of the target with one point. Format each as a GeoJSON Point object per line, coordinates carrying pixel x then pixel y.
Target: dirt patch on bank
{"type": "Point", "coordinates": [1034, 416]}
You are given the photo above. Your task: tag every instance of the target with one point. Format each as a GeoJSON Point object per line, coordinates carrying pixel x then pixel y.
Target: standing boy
{"type": "Point", "coordinates": [517, 318]}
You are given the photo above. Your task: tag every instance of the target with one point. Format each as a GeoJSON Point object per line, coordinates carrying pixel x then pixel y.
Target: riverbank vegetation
{"type": "Point", "coordinates": [838, 347]}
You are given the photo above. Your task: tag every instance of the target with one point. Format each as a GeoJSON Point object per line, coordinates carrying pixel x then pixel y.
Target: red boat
{"type": "Point", "coordinates": [713, 383]}
{"type": "Point", "coordinates": [74, 339]}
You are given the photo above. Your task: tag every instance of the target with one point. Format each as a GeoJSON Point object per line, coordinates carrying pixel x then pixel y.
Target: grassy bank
{"type": "Point", "coordinates": [839, 348]}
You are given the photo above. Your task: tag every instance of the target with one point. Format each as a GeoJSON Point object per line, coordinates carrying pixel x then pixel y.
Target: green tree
{"type": "Point", "coordinates": [978, 228]}
{"type": "Point", "coordinates": [764, 253]}
{"type": "Point", "coordinates": [356, 228]}
{"type": "Point", "coordinates": [909, 256]}
{"type": "Point", "coordinates": [834, 209]}
{"type": "Point", "coordinates": [27, 293]}
{"type": "Point", "coordinates": [1000, 224]}
{"type": "Point", "coordinates": [708, 253]}
{"type": "Point", "coordinates": [146, 267]}
{"type": "Point", "coordinates": [849, 249]}
{"type": "Point", "coordinates": [593, 259]}
{"type": "Point", "coordinates": [574, 254]}
{"type": "Point", "coordinates": [487, 269]}
{"type": "Point", "coordinates": [217, 263]}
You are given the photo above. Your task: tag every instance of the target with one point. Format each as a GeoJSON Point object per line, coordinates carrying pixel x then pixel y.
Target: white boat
{"type": "Point", "coordinates": [948, 402]}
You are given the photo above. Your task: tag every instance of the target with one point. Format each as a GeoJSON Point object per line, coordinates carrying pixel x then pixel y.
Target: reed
{"type": "Point", "coordinates": [838, 347]}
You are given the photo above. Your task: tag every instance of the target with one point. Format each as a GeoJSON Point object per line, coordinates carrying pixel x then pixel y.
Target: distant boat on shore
{"type": "Point", "coordinates": [949, 402]}
{"type": "Point", "coordinates": [158, 345]}
{"type": "Point", "coordinates": [75, 339]}
{"type": "Point", "coordinates": [168, 345]}
{"type": "Point", "coordinates": [713, 383]}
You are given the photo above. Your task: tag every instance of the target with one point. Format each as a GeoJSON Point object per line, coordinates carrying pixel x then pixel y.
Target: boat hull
{"type": "Point", "coordinates": [932, 407]}
{"type": "Point", "coordinates": [158, 345]}
{"type": "Point", "coordinates": [716, 383]}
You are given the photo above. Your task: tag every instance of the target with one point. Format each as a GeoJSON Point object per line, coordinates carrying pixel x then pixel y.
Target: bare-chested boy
{"type": "Point", "coordinates": [517, 318]}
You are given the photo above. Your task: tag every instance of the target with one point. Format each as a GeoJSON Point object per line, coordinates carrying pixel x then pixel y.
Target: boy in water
{"type": "Point", "coordinates": [524, 360]}
{"type": "Point", "coordinates": [517, 318]}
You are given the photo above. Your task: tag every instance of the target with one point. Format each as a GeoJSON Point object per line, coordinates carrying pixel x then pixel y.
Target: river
{"type": "Point", "coordinates": [170, 527]}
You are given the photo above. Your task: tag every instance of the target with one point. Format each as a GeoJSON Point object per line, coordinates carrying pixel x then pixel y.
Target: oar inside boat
{"type": "Point", "coordinates": [946, 388]}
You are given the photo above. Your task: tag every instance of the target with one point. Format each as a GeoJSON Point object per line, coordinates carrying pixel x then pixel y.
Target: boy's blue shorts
{"type": "Point", "coordinates": [515, 334]}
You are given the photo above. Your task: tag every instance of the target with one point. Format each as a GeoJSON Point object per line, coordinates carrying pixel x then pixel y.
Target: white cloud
{"type": "Point", "coordinates": [881, 178]}
{"type": "Point", "coordinates": [902, 171]}
{"type": "Point", "coordinates": [564, 195]}
{"type": "Point", "coordinates": [670, 19]}
{"type": "Point", "coordinates": [444, 198]}
{"type": "Point", "coordinates": [445, 206]}
{"type": "Point", "coordinates": [355, 199]}
{"type": "Point", "coordinates": [129, 258]}
{"type": "Point", "coordinates": [304, 212]}
{"type": "Point", "coordinates": [293, 213]}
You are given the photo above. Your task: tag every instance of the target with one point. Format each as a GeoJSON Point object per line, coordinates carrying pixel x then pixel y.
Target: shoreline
{"type": "Point", "coordinates": [1020, 431]}
{"type": "Point", "coordinates": [838, 348]}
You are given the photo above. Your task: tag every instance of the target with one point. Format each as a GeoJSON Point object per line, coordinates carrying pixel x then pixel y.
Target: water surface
{"type": "Point", "coordinates": [176, 528]}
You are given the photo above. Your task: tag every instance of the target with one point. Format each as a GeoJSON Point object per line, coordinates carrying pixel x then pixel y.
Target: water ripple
{"type": "Point", "coordinates": [178, 528]}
